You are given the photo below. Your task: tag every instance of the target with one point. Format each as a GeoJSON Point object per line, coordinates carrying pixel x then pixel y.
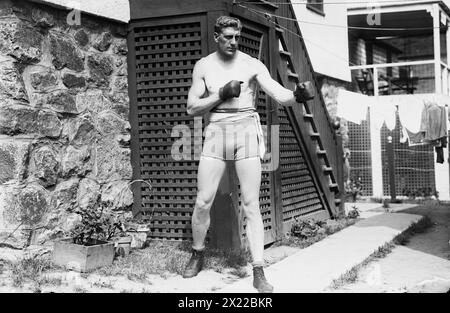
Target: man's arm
{"type": "Point", "coordinates": [196, 105]}
{"type": "Point", "coordinates": [277, 92]}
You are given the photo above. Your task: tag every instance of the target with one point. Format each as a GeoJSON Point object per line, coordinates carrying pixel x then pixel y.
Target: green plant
{"type": "Point", "coordinates": [97, 224]}
{"type": "Point", "coordinates": [306, 228]}
{"type": "Point", "coordinates": [354, 187]}
{"type": "Point", "coordinates": [354, 212]}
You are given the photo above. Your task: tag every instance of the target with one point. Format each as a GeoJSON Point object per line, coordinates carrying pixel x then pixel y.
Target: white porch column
{"type": "Point", "coordinates": [375, 145]}
{"type": "Point", "coordinates": [437, 48]}
{"type": "Point", "coordinates": [441, 171]}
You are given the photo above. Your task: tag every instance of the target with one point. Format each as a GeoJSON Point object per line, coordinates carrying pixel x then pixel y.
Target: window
{"type": "Point", "coordinates": [316, 6]}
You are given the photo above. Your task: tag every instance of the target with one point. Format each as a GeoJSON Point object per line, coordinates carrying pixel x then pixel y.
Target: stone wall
{"type": "Point", "coordinates": [64, 130]}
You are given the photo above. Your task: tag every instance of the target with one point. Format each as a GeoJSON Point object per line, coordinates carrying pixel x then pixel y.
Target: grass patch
{"type": "Point", "coordinates": [163, 257]}
{"type": "Point", "coordinates": [351, 276]}
{"type": "Point", "coordinates": [417, 228]}
{"type": "Point", "coordinates": [31, 270]}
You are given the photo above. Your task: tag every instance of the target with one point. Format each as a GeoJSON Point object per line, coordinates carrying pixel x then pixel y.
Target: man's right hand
{"type": "Point", "coordinates": [231, 90]}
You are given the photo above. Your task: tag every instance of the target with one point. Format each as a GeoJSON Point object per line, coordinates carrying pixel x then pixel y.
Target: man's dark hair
{"type": "Point", "coordinates": [227, 21]}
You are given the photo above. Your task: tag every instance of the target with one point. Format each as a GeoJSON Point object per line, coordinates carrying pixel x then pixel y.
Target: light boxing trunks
{"type": "Point", "coordinates": [234, 137]}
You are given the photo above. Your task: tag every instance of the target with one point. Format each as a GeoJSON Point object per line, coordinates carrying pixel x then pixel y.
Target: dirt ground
{"type": "Point", "coordinates": [421, 265]}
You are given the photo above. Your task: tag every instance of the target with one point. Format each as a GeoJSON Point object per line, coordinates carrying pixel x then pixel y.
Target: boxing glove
{"type": "Point", "coordinates": [231, 90]}
{"type": "Point", "coordinates": [304, 92]}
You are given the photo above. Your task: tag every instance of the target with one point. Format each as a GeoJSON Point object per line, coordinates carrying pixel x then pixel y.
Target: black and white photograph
{"type": "Point", "coordinates": [224, 151]}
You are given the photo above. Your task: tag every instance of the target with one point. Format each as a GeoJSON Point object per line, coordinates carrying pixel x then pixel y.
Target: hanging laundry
{"type": "Point", "coordinates": [352, 106]}
{"type": "Point", "coordinates": [383, 111]}
{"type": "Point", "coordinates": [410, 111]}
{"type": "Point", "coordinates": [433, 121]}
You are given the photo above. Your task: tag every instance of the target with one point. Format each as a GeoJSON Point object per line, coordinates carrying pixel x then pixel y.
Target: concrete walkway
{"type": "Point", "coordinates": [313, 269]}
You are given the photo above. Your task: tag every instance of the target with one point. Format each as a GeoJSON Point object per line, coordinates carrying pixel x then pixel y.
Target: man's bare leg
{"type": "Point", "coordinates": [210, 171]}
{"type": "Point", "coordinates": [249, 174]}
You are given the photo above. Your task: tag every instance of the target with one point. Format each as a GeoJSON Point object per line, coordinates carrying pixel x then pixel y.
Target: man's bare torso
{"type": "Point", "coordinates": [216, 73]}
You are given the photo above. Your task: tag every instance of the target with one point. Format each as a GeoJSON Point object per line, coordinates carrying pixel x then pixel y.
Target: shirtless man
{"type": "Point", "coordinates": [224, 84]}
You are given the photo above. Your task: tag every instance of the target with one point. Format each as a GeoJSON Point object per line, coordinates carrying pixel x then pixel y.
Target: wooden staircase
{"type": "Point", "coordinates": [314, 128]}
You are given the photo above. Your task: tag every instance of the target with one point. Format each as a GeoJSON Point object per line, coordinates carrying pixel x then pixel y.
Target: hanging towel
{"type": "Point", "coordinates": [410, 112]}
{"type": "Point", "coordinates": [352, 106]}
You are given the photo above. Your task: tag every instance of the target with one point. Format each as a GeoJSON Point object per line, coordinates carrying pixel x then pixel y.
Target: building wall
{"type": "Point", "coordinates": [64, 130]}
{"type": "Point", "coordinates": [327, 45]}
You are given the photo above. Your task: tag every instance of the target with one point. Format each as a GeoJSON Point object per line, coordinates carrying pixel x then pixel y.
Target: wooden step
{"type": "Point", "coordinates": [292, 75]}
{"type": "Point", "coordinates": [279, 30]}
{"type": "Point", "coordinates": [314, 135]}
{"type": "Point", "coordinates": [334, 186]}
{"type": "Point", "coordinates": [286, 54]}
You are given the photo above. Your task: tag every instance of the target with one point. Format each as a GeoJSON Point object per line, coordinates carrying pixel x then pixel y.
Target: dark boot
{"type": "Point", "coordinates": [259, 280]}
{"type": "Point", "coordinates": [194, 265]}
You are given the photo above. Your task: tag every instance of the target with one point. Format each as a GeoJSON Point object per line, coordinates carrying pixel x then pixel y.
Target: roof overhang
{"type": "Point", "coordinates": [104, 9]}
{"type": "Point", "coordinates": [397, 20]}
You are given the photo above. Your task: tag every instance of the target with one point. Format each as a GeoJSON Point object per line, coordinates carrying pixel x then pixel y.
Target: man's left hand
{"type": "Point", "coordinates": [304, 92]}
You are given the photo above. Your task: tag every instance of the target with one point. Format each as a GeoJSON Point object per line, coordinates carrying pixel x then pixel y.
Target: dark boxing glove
{"type": "Point", "coordinates": [231, 90]}
{"type": "Point", "coordinates": [304, 92]}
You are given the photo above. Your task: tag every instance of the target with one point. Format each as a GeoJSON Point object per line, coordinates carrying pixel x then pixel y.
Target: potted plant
{"type": "Point", "coordinates": [354, 188]}
{"type": "Point", "coordinates": [90, 245]}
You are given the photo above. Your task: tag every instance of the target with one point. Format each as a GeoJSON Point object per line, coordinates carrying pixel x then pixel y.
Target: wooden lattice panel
{"type": "Point", "coordinates": [250, 44]}
{"type": "Point", "coordinates": [299, 194]}
{"type": "Point", "coordinates": [165, 57]}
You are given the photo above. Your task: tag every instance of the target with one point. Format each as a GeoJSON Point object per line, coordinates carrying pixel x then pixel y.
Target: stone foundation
{"type": "Point", "coordinates": [64, 130]}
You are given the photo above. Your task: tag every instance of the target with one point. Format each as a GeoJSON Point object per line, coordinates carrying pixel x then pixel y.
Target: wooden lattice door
{"type": "Point", "coordinates": [163, 54]}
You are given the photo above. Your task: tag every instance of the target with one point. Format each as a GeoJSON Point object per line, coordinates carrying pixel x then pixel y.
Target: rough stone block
{"type": "Point", "coordinates": [44, 166]}
{"type": "Point", "coordinates": [73, 81]}
{"type": "Point", "coordinates": [103, 42]}
{"type": "Point", "coordinates": [49, 125]}
{"type": "Point", "coordinates": [75, 161]}
{"type": "Point", "coordinates": [20, 41]}
{"type": "Point", "coordinates": [44, 80]}
{"type": "Point", "coordinates": [11, 83]}
{"type": "Point", "coordinates": [118, 194]}
{"type": "Point", "coordinates": [121, 47]}
{"type": "Point", "coordinates": [93, 101]}
{"type": "Point", "coordinates": [101, 68]}
{"type": "Point", "coordinates": [65, 194]}
{"type": "Point", "coordinates": [123, 70]}
{"type": "Point", "coordinates": [81, 37]}
{"type": "Point", "coordinates": [62, 102]}
{"type": "Point", "coordinates": [120, 104]}
{"type": "Point", "coordinates": [110, 124]}
{"type": "Point", "coordinates": [88, 193]}
{"type": "Point", "coordinates": [121, 83]}
{"type": "Point", "coordinates": [112, 160]}
{"type": "Point", "coordinates": [42, 18]}
{"type": "Point", "coordinates": [17, 119]}
{"type": "Point", "coordinates": [21, 209]}
{"type": "Point", "coordinates": [65, 54]}
{"type": "Point", "coordinates": [80, 131]}
{"type": "Point", "coordinates": [14, 154]}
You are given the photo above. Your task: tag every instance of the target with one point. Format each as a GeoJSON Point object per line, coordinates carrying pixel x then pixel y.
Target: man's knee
{"type": "Point", "coordinates": [251, 207]}
{"type": "Point", "coordinates": [203, 203]}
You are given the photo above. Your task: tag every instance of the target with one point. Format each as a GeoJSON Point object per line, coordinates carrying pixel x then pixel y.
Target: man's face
{"type": "Point", "coordinates": [227, 41]}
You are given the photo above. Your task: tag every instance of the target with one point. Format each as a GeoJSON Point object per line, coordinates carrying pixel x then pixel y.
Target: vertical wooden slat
{"type": "Point", "coordinates": [133, 118]}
